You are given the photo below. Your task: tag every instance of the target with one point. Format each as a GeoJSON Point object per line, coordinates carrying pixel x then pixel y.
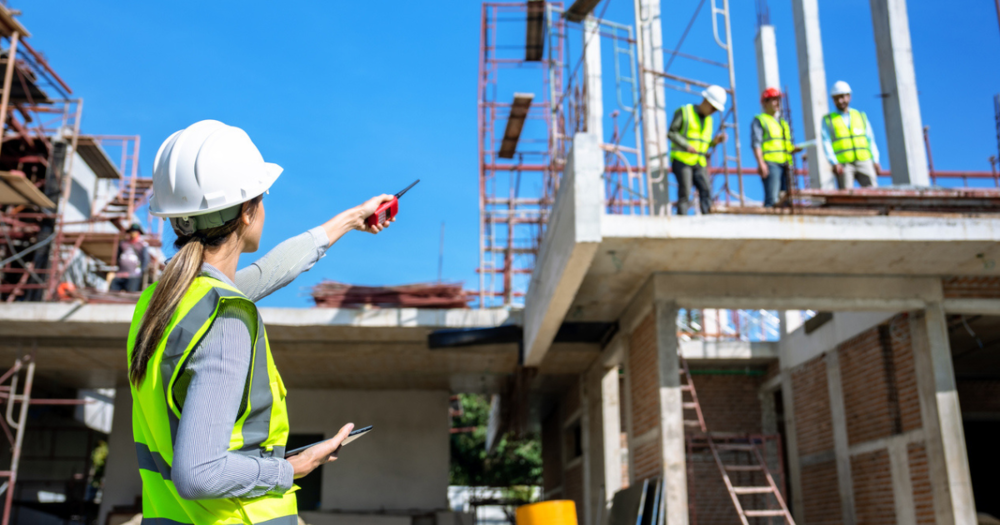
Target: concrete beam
{"type": "Point", "coordinates": [812, 83]}
{"type": "Point", "coordinates": [903, 126]}
{"type": "Point", "coordinates": [571, 239]}
{"type": "Point", "coordinates": [592, 77]}
{"type": "Point", "coordinates": [743, 352]}
{"type": "Point", "coordinates": [941, 415]}
{"type": "Point", "coordinates": [767, 58]}
{"type": "Point", "coordinates": [672, 442]}
{"type": "Point", "coordinates": [796, 292]}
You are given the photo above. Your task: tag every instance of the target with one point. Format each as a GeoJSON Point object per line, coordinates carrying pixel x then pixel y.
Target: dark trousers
{"type": "Point", "coordinates": [775, 183]}
{"type": "Point", "coordinates": [687, 174]}
{"type": "Point", "coordinates": [126, 284]}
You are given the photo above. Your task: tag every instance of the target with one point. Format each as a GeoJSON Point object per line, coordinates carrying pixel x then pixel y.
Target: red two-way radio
{"type": "Point", "coordinates": [388, 210]}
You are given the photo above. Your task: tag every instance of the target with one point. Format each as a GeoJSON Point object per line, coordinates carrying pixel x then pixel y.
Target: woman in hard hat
{"type": "Point", "coordinates": [209, 417]}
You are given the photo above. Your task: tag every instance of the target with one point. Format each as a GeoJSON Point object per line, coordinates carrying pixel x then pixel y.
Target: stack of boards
{"type": "Point", "coordinates": [16, 189]}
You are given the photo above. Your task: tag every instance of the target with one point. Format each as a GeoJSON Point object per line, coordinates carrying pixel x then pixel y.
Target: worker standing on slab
{"type": "Point", "coordinates": [690, 135]}
{"type": "Point", "coordinates": [209, 416]}
{"type": "Point", "coordinates": [771, 140]}
{"type": "Point", "coordinates": [848, 141]}
{"type": "Point", "coordinates": [133, 259]}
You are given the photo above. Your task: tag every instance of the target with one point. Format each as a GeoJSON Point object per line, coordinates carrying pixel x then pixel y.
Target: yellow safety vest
{"type": "Point", "coordinates": [849, 144]}
{"type": "Point", "coordinates": [261, 428]}
{"type": "Point", "coordinates": [698, 134]}
{"type": "Point", "coordinates": [777, 145]}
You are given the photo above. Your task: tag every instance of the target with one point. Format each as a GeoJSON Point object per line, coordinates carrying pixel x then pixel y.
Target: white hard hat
{"type": "Point", "coordinates": [716, 96]}
{"type": "Point", "coordinates": [205, 168]}
{"type": "Point", "coordinates": [840, 88]}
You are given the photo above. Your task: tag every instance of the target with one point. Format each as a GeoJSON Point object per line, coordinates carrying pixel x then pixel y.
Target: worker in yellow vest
{"type": "Point", "coordinates": [848, 141]}
{"type": "Point", "coordinates": [208, 404]}
{"type": "Point", "coordinates": [771, 140]}
{"type": "Point", "coordinates": [690, 135]}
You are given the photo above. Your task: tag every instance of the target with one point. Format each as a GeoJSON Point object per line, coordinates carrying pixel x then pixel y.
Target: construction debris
{"type": "Point", "coordinates": [332, 294]}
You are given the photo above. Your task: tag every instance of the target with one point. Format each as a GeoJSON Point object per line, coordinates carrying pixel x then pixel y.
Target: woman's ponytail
{"type": "Point", "coordinates": [177, 278]}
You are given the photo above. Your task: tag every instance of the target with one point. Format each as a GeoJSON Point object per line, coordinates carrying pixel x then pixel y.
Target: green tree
{"type": "Point", "coordinates": [512, 461]}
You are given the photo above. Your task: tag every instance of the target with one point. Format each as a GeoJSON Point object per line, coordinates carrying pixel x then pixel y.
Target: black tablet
{"type": "Point", "coordinates": [355, 434]}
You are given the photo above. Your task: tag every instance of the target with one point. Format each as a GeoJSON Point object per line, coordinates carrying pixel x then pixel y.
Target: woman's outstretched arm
{"type": "Point", "coordinates": [289, 259]}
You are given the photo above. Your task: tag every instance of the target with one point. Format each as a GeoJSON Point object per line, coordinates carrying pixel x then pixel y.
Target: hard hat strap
{"type": "Point", "coordinates": [189, 225]}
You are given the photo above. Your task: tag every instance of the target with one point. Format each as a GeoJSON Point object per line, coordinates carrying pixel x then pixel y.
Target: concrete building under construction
{"type": "Point", "coordinates": [828, 360]}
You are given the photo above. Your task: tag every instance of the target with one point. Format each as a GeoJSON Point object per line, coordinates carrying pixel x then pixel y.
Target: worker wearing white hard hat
{"type": "Point", "coordinates": [690, 135]}
{"type": "Point", "coordinates": [209, 417]}
{"type": "Point", "coordinates": [848, 141]}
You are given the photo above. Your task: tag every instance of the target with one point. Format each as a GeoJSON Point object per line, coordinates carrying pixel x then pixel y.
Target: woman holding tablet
{"type": "Point", "coordinates": [208, 405]}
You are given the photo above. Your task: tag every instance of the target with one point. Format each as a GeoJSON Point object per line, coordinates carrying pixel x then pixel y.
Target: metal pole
{"type": "Point", "coordinates": [21, 423]}
{"type": "Point", "coordinates": [482, 160]}
{"type": "Point", "coordinates": [7, 78]}
{"type": "Point", "coordinates": [63, 201]}
{"type": "Point", "coordinates": [732, 88]}
{"type": "Point", "coordinates": [441, 253]}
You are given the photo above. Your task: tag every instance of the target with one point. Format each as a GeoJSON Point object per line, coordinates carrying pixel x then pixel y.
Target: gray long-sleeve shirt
{"type": "Point", "coordinates": [203, 467]}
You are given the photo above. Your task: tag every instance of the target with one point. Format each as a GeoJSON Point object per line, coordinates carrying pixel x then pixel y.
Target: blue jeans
{"type": "Point", "coordinates": [776, 182]}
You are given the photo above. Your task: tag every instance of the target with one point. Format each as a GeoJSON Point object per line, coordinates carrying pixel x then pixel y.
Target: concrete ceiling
{"type": "Point", "coordinates": [313, 348]}
{"type": "Point", "coordinates": [633, 248]}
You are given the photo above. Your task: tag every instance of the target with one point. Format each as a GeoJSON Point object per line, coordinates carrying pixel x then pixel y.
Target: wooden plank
{"type": "Point", "coordinates": [518, 112]}
{"type": "Point", "coordinates": [9, 195]}
{"type": "Point", "coordinates": [27, 189]}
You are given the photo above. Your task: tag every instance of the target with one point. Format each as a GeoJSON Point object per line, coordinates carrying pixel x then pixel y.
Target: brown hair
{"type": "Point", "coordinates": [180, 272]}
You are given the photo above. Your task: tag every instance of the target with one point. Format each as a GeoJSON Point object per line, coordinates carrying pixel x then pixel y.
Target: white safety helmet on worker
{"type": "Point", "coordinates": [202, 174]}
{"type": "Point", "coordinates": [716, 96]}
{"type": "Point", "coordinates": [840, 88]}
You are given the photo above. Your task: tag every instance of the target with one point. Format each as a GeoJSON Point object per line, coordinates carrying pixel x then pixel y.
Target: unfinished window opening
{"type": "Point", "coordinates": [975, 350]}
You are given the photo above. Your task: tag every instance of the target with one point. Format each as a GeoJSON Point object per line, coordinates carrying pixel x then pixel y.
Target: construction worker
{"type": "Point", "coordinates": [848, 141]}
{"type": "Point", "coordinates": [209, 416]}
{"type": "Point", "coordinates": [133, 259]}
{"type": "Point", "coordinates": [771, 140]}
{"type": "Point", "coordinates": [690, 135]}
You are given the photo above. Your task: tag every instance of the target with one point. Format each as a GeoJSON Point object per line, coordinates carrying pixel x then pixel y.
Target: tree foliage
{"type": "Point", "coordinates": [512, 461]}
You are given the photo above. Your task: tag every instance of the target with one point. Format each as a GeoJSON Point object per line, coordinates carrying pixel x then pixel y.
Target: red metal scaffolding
{"type": "Point", "coordinates": [43, 225]}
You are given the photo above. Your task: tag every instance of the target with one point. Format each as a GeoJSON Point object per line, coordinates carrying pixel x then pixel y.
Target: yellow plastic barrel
{"type": "Point", "coordinates": [555, 512]}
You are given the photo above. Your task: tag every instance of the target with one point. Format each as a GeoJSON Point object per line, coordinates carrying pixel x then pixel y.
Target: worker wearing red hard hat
{"type": "Point", "coordinates": [690, 135]}
{"type": "Point", "coordinates": [848, 141]}
{"type": "Point", "coordinates": [771, 140]}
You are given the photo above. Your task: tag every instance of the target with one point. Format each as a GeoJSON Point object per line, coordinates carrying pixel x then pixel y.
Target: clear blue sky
{"type": "Point", "coordinates": [355, 99]}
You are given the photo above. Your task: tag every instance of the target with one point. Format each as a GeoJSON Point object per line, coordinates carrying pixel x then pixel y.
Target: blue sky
{"type": "Point", "coordinates": [355, 99]}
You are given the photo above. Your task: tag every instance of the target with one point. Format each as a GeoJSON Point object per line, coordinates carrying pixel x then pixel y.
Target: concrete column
{"type": "Point", "coordinates": [122, 484]}
{"type": "Point", "coordinates": [841, 445]}
{"type": "Point", "coordinates": [767, 59]}
{"type": "Point", "coordinates": [792, 445]}
{"type": "Point", "coordinates": [611, 414]}
{"type": "Point", "coordinates": [654, 103]}
{"type": "Point", "coordinates": [812, 83]}
{"type": "Point", "coordinates": [603, 453]}
{"type": "Point", "coordinates": [903, 127]}
{"type": "Point", "coordinates": [942, 418]}
{"type": "Point", "coordinates": [902, 483]}
{"type": "Point", "coordinates": [592, 72]}
{"type": "Point", "coordinates": [672, 443]}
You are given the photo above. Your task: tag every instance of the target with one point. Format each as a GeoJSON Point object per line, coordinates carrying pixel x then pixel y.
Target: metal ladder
{"type": "Point", "coordinates": [746, 444]}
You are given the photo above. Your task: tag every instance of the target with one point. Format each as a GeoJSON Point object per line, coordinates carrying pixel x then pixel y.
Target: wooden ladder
{"type": "Point", "coordinates": [757, 462]}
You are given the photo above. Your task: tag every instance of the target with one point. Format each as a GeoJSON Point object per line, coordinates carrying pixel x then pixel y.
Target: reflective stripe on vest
{"type": "Point", "coordinates": [849, 144]}
{"type": "Point", "coordinates": [698, 135]}
{"type": "Point", "coordinates": [157, 403]}
{"type": "Point", "coordinates": [777, 145]}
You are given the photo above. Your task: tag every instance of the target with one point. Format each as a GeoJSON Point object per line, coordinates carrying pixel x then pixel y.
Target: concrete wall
{"type": "Point", "coordinates": [860, 438]}
{"type": "Point", "coordinates": [401, 465]}
{"type": "Point", "coordinates": [121, 473]}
